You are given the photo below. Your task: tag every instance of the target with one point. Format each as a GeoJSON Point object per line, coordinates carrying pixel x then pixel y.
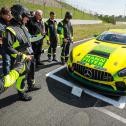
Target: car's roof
{"type": "Point", "coordinates": [120, 31]}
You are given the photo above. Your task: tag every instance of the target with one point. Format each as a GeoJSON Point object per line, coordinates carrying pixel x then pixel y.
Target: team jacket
{"type": "Point", "coordinates": [51, 30]}
{"type": "Point", "coordinates": [36, 28]}
{"type": "Point", "coordinates": [16, 41]}
{"type": "Point", "coordinates": [65, 30]}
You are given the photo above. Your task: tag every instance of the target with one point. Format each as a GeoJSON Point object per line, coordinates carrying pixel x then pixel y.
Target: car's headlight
{"type": "Point", "coordinates": [71, 56]}
{"type": "Point", "coordinates": [122, 73]}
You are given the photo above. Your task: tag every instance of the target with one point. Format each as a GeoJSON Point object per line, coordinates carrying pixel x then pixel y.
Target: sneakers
{"type": "Point", "coordinates": [49, 60]}
{"type": "Point", "coordinates": [63, 62]}
{"type": "Point", "coordinates": [24, 97]}
{"type": "Point", "coordinates": [54, 59]}
{"type": "Point", "coordinates": [2, 88]}
{"type": "Point", "coordinates": [33, 88]}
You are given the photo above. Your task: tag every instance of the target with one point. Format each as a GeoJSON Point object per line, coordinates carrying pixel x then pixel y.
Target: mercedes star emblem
{"type": "Point", "coordinates": [88, 73]}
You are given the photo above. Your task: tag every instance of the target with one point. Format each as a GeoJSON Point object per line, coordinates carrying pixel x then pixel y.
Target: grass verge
{"type": "Point", "coordinates": [60, 12]}
{"type": "Point", "coordinates": [87, 31]}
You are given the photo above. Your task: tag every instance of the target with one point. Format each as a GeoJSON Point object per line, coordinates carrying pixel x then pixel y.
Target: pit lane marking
{"type": "Point", "coordinates": [107, 112]}
{"type": "Point", "coordinates": [111, 114]}
{"type": "Point", "coordinates": [121, 103]}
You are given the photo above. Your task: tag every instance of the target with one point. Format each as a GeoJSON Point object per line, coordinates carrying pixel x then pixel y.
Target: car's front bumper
{"type": "Point", "coordinates": [100, 87]}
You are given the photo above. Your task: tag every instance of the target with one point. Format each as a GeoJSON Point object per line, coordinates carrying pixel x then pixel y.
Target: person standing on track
{"type": "Point", "coordinates": [51, 36]}
{"type": "Point", "coordinates": [5, 17]}
{"type": "Point", "coordinates": [36, 28]}
{"type": "Point", "coordinates": [65, 31]}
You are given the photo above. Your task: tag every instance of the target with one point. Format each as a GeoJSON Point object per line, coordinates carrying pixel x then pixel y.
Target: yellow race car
{"type": "Point", "coordinates": [101, 62]}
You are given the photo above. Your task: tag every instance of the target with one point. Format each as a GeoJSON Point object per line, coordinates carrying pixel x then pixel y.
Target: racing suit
{"type": "Point", "coordinates": [16, 44]}
{"type": "Point", "coordinates": [51, 36]}
{"type": "Point", "coordinates": [65, 31]}
{"type": "Point", "coordinates": [36, 28]}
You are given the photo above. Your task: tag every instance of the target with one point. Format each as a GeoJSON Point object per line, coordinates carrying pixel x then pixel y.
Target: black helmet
{"type": "Point", "coordinates": [18, 12]}
{"type": "Point", "coordinates": [68, 15]}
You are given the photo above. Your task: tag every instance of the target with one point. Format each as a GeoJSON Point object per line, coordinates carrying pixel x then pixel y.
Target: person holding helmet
{"type": "Point", "coordinates": [31, 73]}
{"type": "Point", "coordinates": [51, 36]}
{"type": "Point", "coordinates": [65, 31]}
{"type": "Point", "coordinates": [17, 44]}
{"type": "Point", "coordinates": [18, 70]}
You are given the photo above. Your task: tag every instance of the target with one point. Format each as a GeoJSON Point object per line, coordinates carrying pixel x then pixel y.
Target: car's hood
{"type": "Point", "coordinates": [111, 57]}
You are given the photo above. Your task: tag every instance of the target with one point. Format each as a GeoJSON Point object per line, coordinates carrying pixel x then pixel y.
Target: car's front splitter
{"type": "Point", "coordinates": [100, 87]}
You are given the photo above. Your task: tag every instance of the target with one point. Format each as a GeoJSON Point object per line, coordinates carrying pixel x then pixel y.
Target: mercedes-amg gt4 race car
{"type": "Point", "coordinates": [101, 62]}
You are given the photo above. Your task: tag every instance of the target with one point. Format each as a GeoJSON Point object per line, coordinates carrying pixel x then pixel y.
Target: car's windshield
{"type": "Point", "coordinates": [112, 37]}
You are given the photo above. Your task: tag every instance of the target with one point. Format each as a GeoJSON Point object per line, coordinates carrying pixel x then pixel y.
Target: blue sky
{"type": "Point", "coordinates": [109, 7]}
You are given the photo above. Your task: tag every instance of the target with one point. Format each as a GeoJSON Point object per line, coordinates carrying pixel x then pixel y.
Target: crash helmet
{"type": "Point", "coordinates": [18, 12]}
{"type": "Point", "coordinates": [68, 15]}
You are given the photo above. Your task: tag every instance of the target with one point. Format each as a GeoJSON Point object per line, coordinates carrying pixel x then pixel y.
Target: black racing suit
{"type": "Point", "coordinates": [16, 43]}
{"type": "Point", "coordinates": [65, 31]}
{"type": "Point", "coordinates": [36, 28]}
{"type": "Point", "coordinates": [51, 35]}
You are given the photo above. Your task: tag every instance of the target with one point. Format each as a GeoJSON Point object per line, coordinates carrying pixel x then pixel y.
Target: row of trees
{"type": "Point", "coordinates": [111, 19]}
{"type": "Point", "coordinates": [108, 19]}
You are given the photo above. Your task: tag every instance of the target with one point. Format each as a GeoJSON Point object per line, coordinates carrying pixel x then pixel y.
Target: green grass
{"type": "Point", "coordinates": [59, 11]}
{"type": "Point", "coordinates": [86, 31]}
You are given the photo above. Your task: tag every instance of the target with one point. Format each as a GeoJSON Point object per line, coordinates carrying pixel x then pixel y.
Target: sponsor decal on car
{"type": "Point", "coordinates": [94, 60]}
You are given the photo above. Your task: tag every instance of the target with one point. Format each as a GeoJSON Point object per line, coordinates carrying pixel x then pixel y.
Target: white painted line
{"type": "Point", "coordinates": [111, 114]}
{"type": "Point", "coordinates": [56, 70]}
{"type": "Point", "coordinates": [65, 82]}
{"type": "Point", "coordinates": [74, 42]}
{"type": "Point", "coordinates": [119, 104]}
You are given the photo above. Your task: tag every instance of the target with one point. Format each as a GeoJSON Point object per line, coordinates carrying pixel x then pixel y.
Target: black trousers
{"type": "Point", "coordinates": [31, 72]}
{"type": "Point", "coordinates": [65, 51]}
{"type": "Point", "coordinates": [52, 47]}
{"type": "Point", "coordinates": [37, 48]}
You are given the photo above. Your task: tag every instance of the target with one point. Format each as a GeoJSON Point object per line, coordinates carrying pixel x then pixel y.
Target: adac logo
{"type": "Point", "coordinates": [88, 73]}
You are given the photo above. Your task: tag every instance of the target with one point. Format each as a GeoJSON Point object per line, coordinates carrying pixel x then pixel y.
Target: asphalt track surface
{"type": "Point", "coordinates": [54, 105]}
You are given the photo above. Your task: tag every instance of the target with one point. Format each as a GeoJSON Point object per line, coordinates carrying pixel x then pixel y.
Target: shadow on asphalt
{"type": "Point", "coordinates": [63, 94]}
{"type": "Point", "coordinates": [8, 100]}
{"type": "Point", "coordinates": [46, 66]}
